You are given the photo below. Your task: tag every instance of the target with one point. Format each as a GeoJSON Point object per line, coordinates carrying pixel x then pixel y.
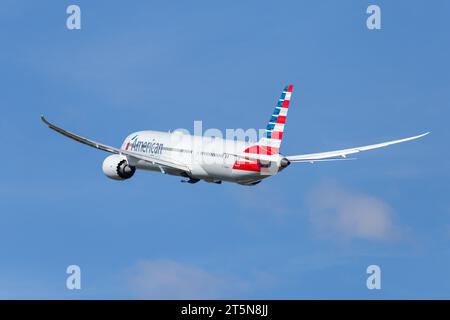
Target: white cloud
{"type": "Point", "coordinates": [165, 279]}
{"type": "Point", "coordinates": [337, 212]}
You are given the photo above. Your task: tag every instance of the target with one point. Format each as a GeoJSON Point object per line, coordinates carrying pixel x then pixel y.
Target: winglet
{"type": "Point", "coordinates": [44, 120]}
{"type": "Point", "coordinates": [413, 138]}
{"type": "Point", "coordinates": [423, 134]}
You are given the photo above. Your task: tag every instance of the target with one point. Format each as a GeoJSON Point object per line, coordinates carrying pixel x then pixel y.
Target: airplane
{"type": "Point", "coordinates": [212, 159]}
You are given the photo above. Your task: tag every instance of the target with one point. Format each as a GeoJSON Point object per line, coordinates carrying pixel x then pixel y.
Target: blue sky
{"type": "Point", "coordinates": [309, 232]}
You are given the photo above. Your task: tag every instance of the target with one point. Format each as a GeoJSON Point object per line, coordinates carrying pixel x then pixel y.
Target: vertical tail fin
{"type": "Point", "coordinates": [271, 141]}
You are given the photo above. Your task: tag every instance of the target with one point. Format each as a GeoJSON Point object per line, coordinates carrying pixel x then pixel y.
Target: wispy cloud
{"type": "Point", "coordinates": [340, 213]}
{"type": "Point", "coordinates": [166, 279]}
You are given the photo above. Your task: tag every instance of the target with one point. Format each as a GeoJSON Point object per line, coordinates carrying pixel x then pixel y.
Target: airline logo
{"type": "Point", "coordinates": [271, 141]}
{"type": "Point", "coordinates": [137, 145]}
{"type": "Point", "coordinates": [129, 142]}
{"type": "Point", "coordinates": [275, 127]}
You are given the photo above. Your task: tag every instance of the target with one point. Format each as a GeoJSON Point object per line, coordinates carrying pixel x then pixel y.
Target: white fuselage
{"type": "Point", "coordinates": [208, 158]}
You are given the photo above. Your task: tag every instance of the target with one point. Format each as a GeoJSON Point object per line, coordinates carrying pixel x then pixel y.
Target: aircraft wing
{"type": "Point", "coordinates": [342, 154]}
{"type": "Point", "coordinates": [104, 147]}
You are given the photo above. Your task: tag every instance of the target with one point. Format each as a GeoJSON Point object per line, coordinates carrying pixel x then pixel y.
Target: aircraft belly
{"type": "Point", "coordinates": [217, 171]}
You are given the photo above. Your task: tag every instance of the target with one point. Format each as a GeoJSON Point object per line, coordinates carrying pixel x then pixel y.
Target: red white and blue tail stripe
{"type": "Point", "coordinates": [271, 141]}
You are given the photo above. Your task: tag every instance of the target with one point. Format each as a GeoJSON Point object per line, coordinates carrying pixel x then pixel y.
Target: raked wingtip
{"type": "Point", "coordinates": [44, 120]}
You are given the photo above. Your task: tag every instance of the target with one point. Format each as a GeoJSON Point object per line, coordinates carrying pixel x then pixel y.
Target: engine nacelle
{"type": "Point", "coordinates": [116, 167]}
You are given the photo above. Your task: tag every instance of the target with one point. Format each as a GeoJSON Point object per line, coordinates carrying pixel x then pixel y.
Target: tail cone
{"type": "Point", "coordinates": [284, 163]}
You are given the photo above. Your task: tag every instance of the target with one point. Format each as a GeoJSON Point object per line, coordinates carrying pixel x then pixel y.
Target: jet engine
{"type": "Point", "coordinates": [116, 167]}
